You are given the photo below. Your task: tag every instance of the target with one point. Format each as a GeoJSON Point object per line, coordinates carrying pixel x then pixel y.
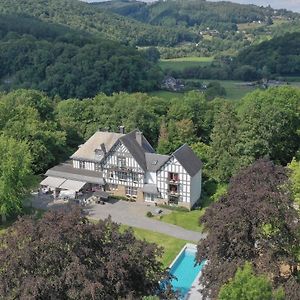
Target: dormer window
{"type": "Point", "coordinates": [98, 152]}
{"type": "Point", "coordinates": [121, 162]}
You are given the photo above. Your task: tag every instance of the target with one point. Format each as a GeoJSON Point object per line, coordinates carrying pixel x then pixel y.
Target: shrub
{"type": "Point", "coordinates": [149, 214]}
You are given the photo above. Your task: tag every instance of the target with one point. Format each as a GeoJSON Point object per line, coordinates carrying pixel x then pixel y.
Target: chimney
{"type": "Point", "coordinates": [102, 146]}
{"type": "Point", "coordinates": [122, 129]}
{"type": "Point", "coordinates": [139, 137]}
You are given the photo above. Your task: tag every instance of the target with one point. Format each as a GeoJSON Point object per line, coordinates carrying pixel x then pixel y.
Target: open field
{"type": "Point", "coordinates": [165, 94]}
{"type": "Point", "coordinates": [233, 89]}
{"type": "Point", "coordinates": [179, 64]}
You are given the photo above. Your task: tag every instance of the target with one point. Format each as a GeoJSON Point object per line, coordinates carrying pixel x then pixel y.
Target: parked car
{"type": "Point", "coordinates": [45, 190]}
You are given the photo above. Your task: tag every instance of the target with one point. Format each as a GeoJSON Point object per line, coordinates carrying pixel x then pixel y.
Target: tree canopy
{"type": "Point", "coordinates": [69, 63]}
{"type": "Point", "coordinates": [64, 256]}
{"type": "Point", "coordinates": [15, 171]}
{"type": "Point", "coordinates": [256, 222]}
{"type": "Point", "coordinates": [247, 286]}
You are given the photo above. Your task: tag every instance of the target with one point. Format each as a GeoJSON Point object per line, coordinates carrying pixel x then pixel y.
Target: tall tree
{"type": "Point", "coordinates": [15, 171]}
{"type": "Point", "coordinates": [269, 125]}
{"type": "Point", "coordinates": [224, 156]}
{"type": "Point", "coordinates": [64, 256]}
{"type": "Point", "coordinates": [256, 222]}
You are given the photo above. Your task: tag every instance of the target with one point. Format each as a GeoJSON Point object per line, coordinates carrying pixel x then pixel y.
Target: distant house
{"type": "Point", "coordinates": [172, 84]}
{"type": "Point", "coordinates": [127, 165]}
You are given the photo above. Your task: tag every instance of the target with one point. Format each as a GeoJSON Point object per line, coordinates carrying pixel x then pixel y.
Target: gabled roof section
{"type": "Point", "coordinates": [188, 159]}
{"type": "Point", "coordinates": [138, 146]}
{"type": "Point", "coordinates": [155, 161]}
{"type": "Point", "coordinates": [67, 171]}
{"type": "Point", "coordinates": [97, 146]}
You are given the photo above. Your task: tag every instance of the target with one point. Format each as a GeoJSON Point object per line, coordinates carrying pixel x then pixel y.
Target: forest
{"type": "Point", "coordinates": [57, 127]}
{"type": "Point", "coordinates": [277, 57]}
{"type": "Point", "coordinates": [69, 63]}
{"type": "Point", "coordinates": [192, 13]}
{"type": "Point", "coordinates": [80, 15]}
{"type": "Point", "coordinates": [68, 69]}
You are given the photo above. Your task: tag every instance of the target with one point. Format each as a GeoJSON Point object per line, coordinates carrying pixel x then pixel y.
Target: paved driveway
{"type": "Point", "coordinates": [134, 214]}
{"type": "Point", "coordinates": [127, 213]}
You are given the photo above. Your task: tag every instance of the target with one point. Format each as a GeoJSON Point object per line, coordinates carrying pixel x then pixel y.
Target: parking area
{"type": "Point", "coordinates": [127, 213]}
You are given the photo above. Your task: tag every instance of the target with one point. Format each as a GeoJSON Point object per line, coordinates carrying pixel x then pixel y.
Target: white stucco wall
{"type": "Point", "coordinates": [174, 166]}
{"type": "Point", "coordinates": [196, 185]}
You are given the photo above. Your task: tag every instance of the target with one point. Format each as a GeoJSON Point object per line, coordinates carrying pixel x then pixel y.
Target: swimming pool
{"type": "Point", "coordinates": [184, 269]}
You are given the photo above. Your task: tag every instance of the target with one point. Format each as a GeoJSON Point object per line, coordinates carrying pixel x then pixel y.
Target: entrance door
{"type": "Point", "coordinates": [148, 197]}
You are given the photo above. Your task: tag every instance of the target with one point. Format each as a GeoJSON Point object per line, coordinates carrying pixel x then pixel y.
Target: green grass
{"type": "Point", "coordinates": [165, 94]}
{"type": "Point", "coordinates": [234, 91]}
{"type": "Point", "coordinates": [188, 220]}
{"type": "Point", "coordinates": [179, 64]}
{"type": "Point", "coordinates": [171, 245]}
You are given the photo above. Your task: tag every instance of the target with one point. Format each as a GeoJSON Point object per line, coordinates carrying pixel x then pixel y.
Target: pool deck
{"type": "Point", "coordinates": [194, 293]}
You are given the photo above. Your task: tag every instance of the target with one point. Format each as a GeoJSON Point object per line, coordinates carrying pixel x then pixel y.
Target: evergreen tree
{"type": "Point", "coordinates": [224, 156]}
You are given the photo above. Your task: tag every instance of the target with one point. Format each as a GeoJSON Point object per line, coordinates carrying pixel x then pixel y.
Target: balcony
{"type": "Point", "coordinates": [173, 181]}
{"type": "Point", "coordinates": [173, 193]}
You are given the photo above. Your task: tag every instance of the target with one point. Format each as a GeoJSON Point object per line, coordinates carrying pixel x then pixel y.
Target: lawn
{"type": "Point", "coordinates": [188, 220]}
{"type": "Point", "coordinates": [165, 94]}
{"type": "Point", "coordinates": [234, 90]}
{"type": "Point", "coordinates": [171, 245]}
{"type": "Point", "coordinates": [179, 64]}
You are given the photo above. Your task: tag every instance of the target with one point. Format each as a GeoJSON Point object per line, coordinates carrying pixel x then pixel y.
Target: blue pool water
{"type": "Point", "coordinates": [185, 271]}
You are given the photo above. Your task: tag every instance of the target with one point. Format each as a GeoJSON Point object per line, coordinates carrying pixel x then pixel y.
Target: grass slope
{"type": "Point", "coordinates": [179, 64]}
{"type": "Point", "coordinates": [170, 244]}
{"type": "Point", "coordinates": [188, 220]}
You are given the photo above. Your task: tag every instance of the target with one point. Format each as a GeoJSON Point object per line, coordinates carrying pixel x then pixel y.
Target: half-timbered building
{"type": "Point", "coordinates": [127, 165]}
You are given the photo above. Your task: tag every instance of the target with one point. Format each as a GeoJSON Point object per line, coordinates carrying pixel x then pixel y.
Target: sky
{"type": "Point", "coordinates": [288, 4]}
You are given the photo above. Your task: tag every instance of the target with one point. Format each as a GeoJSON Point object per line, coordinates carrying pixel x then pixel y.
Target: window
{"type": "Point", "coordinates": [173, 189]}
{"type": "Point", "coordinates": [149, 197]}
{"type": "Point", "coordinates": [121, 162]}
{"type": "Point", "coordinates": [134, 177]}
{"type": "Point", "coordinates": [111, 175]}
{"type": "Point", "coordinates": [81, 164]}
{"type": "Point", "coordinates": [131, 190]}
{"type": "Point", "coordinates": [173, 177]}
{"type": "Point", "coordinates": [122, 176]}
{"type": "Point", "coordinates": [97, 167]}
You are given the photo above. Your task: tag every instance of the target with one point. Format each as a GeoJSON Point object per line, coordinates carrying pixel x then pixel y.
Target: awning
{"type": "Point", "coordinates": [73, 185]}
{"type": "Point", "coordinates": [53, 182]}
{"type": "Point", "coordinates": [150, 189]}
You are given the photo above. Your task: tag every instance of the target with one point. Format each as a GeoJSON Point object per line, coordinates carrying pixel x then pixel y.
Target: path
{"type": "Point", "coordinates": [127, 213]}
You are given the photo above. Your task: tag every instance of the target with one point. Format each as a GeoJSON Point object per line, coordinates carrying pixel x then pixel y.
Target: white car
{"type": "Point", "coordinates": [45, 190]}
